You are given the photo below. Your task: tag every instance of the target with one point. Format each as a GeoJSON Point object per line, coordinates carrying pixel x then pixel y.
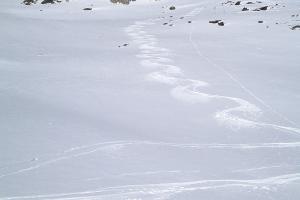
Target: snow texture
{"type": "Point", "coordinates": [150, 99]}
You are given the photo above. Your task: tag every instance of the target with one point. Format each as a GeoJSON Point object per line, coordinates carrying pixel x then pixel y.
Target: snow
{"type": "Point", "coordinates": [142, 102]}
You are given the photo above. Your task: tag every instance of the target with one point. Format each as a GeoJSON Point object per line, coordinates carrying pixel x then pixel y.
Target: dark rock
{"type": "Point", "coordinates": [264, 8]}
{"type": "Point", "coordinates": [126, 2]}
{"type": "Point", "coordinates": [214, 21]}
{"type": "Point", "coordinates": [124, 45]}
{"type": "Point", "coordinates": [245, 9]}
{"type": "Point", "coordinates": [295, 27]}
{"type": "Point", "coordinates": [221, 23]}
{"type": "Point", "coordinates": [87, 8]}
{"type": "Point", "coordinates": [29, 2]}
{"type": "Point", "coordinates": [172, 8]}
{"type": "Point", "coordinates": [261, 8]}
{"type": "Point", "coordinates": [189, 22]}
{"type": "Point", "coordinates": [48, 1]}
{"type": "Point", "coordinates": [228, 2]}
{"type": "Point", "coordinates": [260, 21]}
{"type": "Point", "coordinates": [238, 3]}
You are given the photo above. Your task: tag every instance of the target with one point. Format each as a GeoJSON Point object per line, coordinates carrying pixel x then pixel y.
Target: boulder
{"type": "Point", "coordinates": [172, 8]}
{"type": "Point", "coordinates": [29, 2]}
{"type": "Point", "coordinates": [48, 1]}
{"type": "Point", "coordinates": [221, 23]}
{"type": "Point", "coordinates": [215, 21]}
{"type": "Point", "coordinates": [295, 27]}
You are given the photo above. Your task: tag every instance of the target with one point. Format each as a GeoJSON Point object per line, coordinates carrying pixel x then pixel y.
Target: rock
{"type": "Point", "coordinates": [215, 21]}
{"type": "Point", "coordinates": [124, 45]}
{"type": "Point", "coordinates": [261, 8]}
{"type": "Point", "coordinates": [48, 1]}
{"type": "Point", "coordinates": [172, 8]}
{"type": "Point", "coordinates": [260, 21]}
{"type": "Point", "coordinates": [264, 8]}
{"type": "Point", "coordinates": [221, 23]}
{"type": "Point", "coordinates": [295, 27]}
{"type": "Point", "coordinates": [29, 2]}
{"type": "Point", "coordinates": [87, 8]}
{"type": "Point", "coordinates": [228, 2]}
{"type": "Point", "coordinates": [238, 3]}
{"type": "Point", "coordinates": [126, 2]}
{"type": "Point", "coordinates": [189, 22]}
{"type": "Point", "coordinates": [245, 9]}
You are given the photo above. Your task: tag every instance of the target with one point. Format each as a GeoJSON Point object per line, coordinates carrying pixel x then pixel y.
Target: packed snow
{"type": "Point", "coordinates": [150, 99]}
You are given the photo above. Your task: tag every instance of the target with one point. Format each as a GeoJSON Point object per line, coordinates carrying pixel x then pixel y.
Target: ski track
{"type": "Point", "coordinates": [166, 190]}
{"type": "Point", "coordinates": [68, 154]}
{"type": "Point", "coordinates": [80, 151]}
{"type": "Point", "coordinates": [158, 59]}
{"type": "Point", "coordinates": [266, 168]}
{"type": "Point", "coordinates": [245, 114]}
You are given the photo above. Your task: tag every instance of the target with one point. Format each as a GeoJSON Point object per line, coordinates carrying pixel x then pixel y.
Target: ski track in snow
{"type": "Point", "coordinates": [68, 154]}
{"type": "Point", "coordinates": [167, 190]}
{"type": "Point", "coordinates": [80, 151]}
{"type": "Point", "coordinates": [245, 114]}
{"type": "Point", "coordinates": [158, 59]}
{"type": "Point", "coordinates": [266, 168]}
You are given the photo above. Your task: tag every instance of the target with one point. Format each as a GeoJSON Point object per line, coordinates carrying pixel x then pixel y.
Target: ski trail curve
{"type": "Point", "coordinates": [157, 58]}
{"type": "Point", "coordinates": [248, 91]}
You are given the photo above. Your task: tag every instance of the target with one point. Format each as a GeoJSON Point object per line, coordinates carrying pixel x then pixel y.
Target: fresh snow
{"type": "Point", "coordinates": [140, 102]}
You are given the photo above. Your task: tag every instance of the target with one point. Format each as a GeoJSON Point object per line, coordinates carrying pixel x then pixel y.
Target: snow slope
{"type": "Point", "coordinates": [142, 102]}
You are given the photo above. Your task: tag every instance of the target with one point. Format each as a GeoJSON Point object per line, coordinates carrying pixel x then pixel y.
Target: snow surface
{"type": "Point", "coordinates": [140, 102]}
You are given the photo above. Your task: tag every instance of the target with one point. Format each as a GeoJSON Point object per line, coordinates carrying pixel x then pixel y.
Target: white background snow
{"type": "Point", "coordinates": [184, 111]}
